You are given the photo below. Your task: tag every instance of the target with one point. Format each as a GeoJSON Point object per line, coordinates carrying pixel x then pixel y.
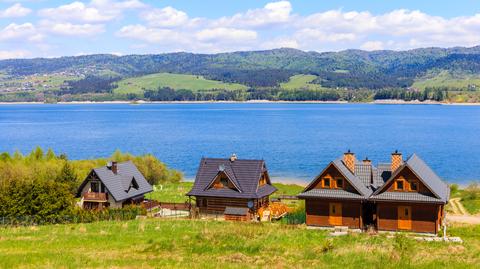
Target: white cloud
{"type": "Point", "coordinates": [165, 17]}
{"type": "Point", "coordinates": [13, 54]}
{"type": "Point", "coordinates": [15, 11]}
{"type": "Point", "coordinates": [25, 31]}
{"type": "Point", "coordinates": [271, 13]}
{"type": "Point", "coordinates": [94, 12]}
{"type": "Point", "coordinates": [69, 29]}
{"type": "Point", "coordinates": [372, 45]}
{"type": "Point", "coordinates": [151, 35]}
{"type": "Point", "coordinates": [225, 35]}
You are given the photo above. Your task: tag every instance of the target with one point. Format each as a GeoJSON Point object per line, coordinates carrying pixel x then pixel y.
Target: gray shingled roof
{"type": "Point", "coordinates": [405, 197]}
{"type": "Point", "coordinates": [330, 193]}
{"type": "Point", "coordinates": [244, 173]}
{"type": "Point", "coordinates": [236, 211]}
{"type": "Point", "coordinates": [118, 184]}
{"type": "Point", "coordinates": [433, 182]}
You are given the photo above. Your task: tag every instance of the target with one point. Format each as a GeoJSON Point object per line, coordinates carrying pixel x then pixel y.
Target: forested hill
{"type": "Point", "coordinates": [349, 68]}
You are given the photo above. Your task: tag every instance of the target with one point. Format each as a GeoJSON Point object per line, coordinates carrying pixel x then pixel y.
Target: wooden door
{"type": "Point", "coordinates": [405, 217]}
{"type": "Point", "coordinates": [335, 216]}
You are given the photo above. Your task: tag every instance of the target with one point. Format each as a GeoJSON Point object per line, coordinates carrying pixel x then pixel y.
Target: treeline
{"type": "Point", "coordinates": [89, 84]}
{"type": "Point", "coordinates": [273, 94]}
{"type": "Point", "coordinates": [42, 185]}
{"type": "Point", "coordinates": [360, 80]}
{"type": "Point", "coordinates": [432, 94]}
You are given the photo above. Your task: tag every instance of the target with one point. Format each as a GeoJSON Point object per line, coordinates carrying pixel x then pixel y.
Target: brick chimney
{"type": "Point", "coordinates": [114, 167]}
{"type": "Point", "coordinates": [397, 160]}
{"type": "Point", "coordinates": [349, 160]}
{"type": "Point", "coordinates": [367, 161]}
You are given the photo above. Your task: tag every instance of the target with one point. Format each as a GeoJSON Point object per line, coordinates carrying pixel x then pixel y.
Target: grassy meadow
{"type": "Point", "coordinates": [447, 79]}
{"type": "Point", "coordinates": [159, 243]}
{"type": "Point", "coordinates": [301, 82]}
{"type": "Point", "coordinates": [174, 81]}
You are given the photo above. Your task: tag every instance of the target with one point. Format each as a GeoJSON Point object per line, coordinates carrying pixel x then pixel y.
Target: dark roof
{"type": "Point", "coordinates": [369, 180]}
{"type": "Point", "coordinates": [244, 174]}
{"type": "Point", "coordinates": [405, 196]}
{"type": "Point", "coordinates": [237, 211]}
{"type": "Point", "coordinates": [425, 174]}
{"type": "Point", "coordinates": [359, 181]}
{"type": "Point", "coordinates": [118, 185]}
{"type": "Point", "coordinates": [330, 193]}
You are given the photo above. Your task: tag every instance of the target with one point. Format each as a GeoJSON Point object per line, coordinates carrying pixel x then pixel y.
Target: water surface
{"type": "Point", "coordinates": [296, 140]}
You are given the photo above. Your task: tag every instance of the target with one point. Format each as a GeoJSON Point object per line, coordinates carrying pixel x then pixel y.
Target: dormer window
{"type": "Point", "coordinates": [326, 182]}
{"type": "Point", "coordinates": [339, 182]}
{"type": "Point", "coordinates": [399, 185]}
{"type": "Point", "coordinates": [413, 186]}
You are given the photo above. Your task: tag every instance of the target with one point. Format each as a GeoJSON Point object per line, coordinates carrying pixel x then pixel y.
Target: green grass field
{"type": "Point", "coordinates": [447, 79]}
{"type": "Point", "coordinates": [174, 81]}
{"type": "Point", "coordinates": [157, 243]}
{"type": "Point", "coordinates": [301, 82]}
{"type": "Point", "coordinates": [175, 192]}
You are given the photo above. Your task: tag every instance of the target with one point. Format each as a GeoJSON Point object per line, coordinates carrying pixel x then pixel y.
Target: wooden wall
{"type": "Point", "coordinates": [425, 217]}
{"type": "Point", "coordinates": [332, 173]}
{"type": "Point", "coordinates": [408, 176]}
{"type": "Point", "coordinates": [317, 213]}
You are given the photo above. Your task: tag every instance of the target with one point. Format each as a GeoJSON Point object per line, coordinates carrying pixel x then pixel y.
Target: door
{"type": "Point", "coordinates": [335, 216]}
{"type": "Point", "coordinates": [405, 217]}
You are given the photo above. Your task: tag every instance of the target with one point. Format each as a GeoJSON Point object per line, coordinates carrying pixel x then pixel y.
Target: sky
{"type": "Point", "coordinates": [41, 28]}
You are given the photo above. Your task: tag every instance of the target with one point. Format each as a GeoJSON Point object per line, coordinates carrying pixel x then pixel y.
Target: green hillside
{"type": "Point", "coordinates": [174, 81]}
{"type": "Point", "coordinates": [301, 82]}
{"type": "Point", "coordinates": [448, 79]}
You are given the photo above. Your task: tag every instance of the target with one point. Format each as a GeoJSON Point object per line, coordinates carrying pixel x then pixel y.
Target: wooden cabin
{"type": "Point", "coordinates": [114, 186]}
{"type": "Point", "coordinates": [396, 196]}
{"type": "Point", "coordinates": [231, 186]}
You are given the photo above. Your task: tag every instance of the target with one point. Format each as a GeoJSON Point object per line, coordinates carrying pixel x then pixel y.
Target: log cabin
{"type": "Point", "coordinates": [396, 196]}
{"type": "Point", "coordinates": [231, 186]}
{"type": "Point", "coordinates": [114, 185]}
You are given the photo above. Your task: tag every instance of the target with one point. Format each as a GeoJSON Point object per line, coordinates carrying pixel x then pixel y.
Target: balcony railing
{"type": "Point", "coordinates": [95, 196]}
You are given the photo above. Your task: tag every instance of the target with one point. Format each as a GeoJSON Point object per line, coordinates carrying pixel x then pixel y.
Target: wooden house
{"type": "Point", "coordinates": [231, 187]}
{"type": "Point", "coordinates": [400, 195]}
{"type": "Point", "coordinates": [114, 185]}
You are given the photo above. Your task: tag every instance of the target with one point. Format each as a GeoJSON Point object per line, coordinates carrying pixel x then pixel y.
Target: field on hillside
{"type": "Point", "coordinates": [301, 82]}
{"type": "Point", "coordinates": [157, 243]}
{"type": "Point", "coordinates": [447, 79]}
{"type": "Point", "coordinates": [174, 81]}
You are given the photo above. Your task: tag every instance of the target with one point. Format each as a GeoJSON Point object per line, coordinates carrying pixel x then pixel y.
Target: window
{"type": "Point", "coordinates": [399, 185]}
{"type": "Point", "coordinates": [333, 209]}
{"type": "Point", "coordinates": [326, 183]}
{"type": "Point", "coordinates": [406, 211]}
{"type": "Point", "coordinates": [340, 183]}
{"type": "Point", "coordinates": [224, 182]}
{"type": "Point", "coordinates": [413, 186]}
{"type": "Point", "coordinates": [94, 186]}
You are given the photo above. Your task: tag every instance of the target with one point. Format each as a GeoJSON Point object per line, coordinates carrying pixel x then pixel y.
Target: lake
{"type": "Point", "coordinates": [296, 140]}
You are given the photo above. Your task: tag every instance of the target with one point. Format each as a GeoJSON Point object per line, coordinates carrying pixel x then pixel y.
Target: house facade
{"type": "Point", "coordinates": [403, 195]}
{"type": "Point", "coordinates": [113, 186]}
{"type": "Point", "coordinates": [231, 186]}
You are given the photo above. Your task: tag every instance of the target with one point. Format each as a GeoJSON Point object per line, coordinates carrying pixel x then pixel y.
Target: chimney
{"type": "Point", "coordinates": [397, 160]}
{"type": "Point", "coordinates": [367, 161]}
{"type": "Point", "coordinates": [349, 160]}
{"type": "Point", "coordinates": [233, 157]}
{"type": "Point", "coordinates": [114, 167]}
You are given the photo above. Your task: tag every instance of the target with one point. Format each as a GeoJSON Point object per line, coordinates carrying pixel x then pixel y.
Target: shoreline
{"type": "Point", "coordinates": [141, 102]}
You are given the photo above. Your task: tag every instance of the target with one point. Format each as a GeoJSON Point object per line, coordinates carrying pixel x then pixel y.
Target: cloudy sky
{"type": "Point", "coordinates": [41, 28]}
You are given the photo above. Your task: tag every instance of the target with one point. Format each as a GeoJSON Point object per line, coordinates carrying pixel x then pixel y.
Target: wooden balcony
{"type": "Point", "coordinates": [95, 196]}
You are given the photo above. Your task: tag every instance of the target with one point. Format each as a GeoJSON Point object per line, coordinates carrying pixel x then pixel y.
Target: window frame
{"type": "Point", "coordinates": [339, 179]}
{"type": "Point", "coordinates": [403, 185]}
{"type": "Point", "coordinates": [324, 180]}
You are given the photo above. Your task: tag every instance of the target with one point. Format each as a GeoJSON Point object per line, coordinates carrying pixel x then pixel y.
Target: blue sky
{"type": "Point", "coordinates": [36, 28]}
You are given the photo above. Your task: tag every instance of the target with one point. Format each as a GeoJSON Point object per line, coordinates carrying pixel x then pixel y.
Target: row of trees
{"type": "Point", "coordinates": [433, 94]}
{"type": "Point", "coordinates": [43, 185]}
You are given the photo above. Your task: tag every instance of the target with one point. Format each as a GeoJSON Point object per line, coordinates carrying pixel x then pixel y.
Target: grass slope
{"type": "Point", "coordinates": [174, 81]}
{"type": "Point", "coordinates": [157, 243]}
{"type": "Point", "coordinates": [301, 82]}
{"type": "Point", "coordinates": [447, 79]}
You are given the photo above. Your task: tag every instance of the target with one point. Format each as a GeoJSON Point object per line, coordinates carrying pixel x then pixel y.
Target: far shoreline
{"type": "Point", "coordinates": [140, 102]}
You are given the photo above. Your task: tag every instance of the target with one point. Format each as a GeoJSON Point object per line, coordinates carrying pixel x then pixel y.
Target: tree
{"type": "Point", "coordinates": [68, 176]}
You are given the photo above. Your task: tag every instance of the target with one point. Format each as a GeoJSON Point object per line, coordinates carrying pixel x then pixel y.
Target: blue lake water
{"type": "Point", "coordinates": [296, 140]}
